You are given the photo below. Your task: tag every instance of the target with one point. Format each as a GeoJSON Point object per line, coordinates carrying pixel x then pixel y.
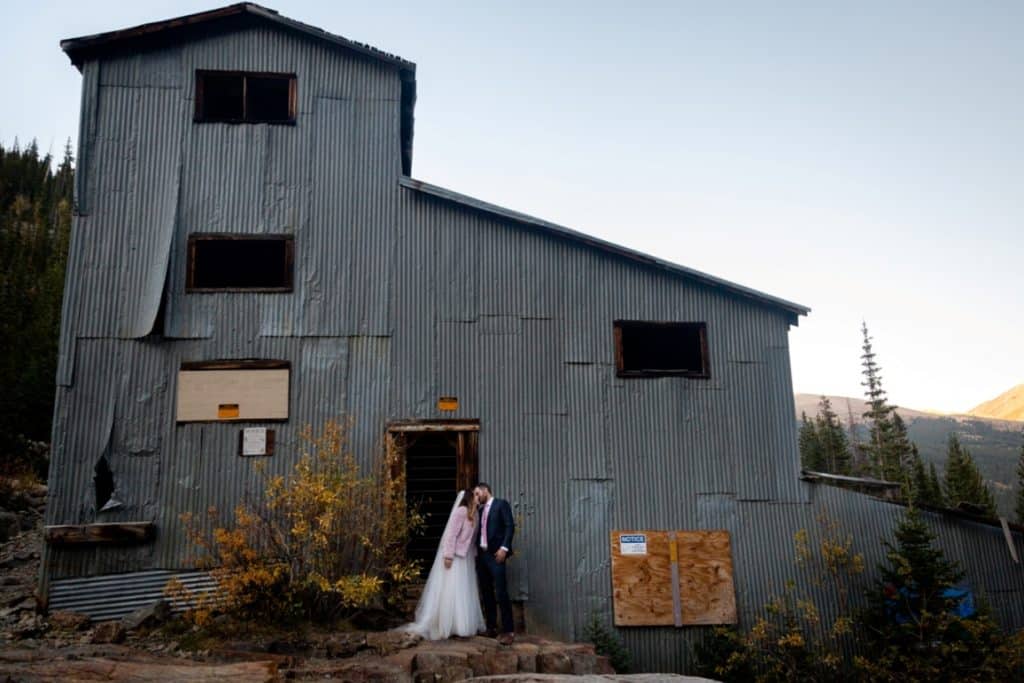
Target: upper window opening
{"type": "Point", "coordinates": [661, 349]}
{"type": "Point", "coordinates": [218, 263]}
{"type": "Point", "coordinates": [243, 97]}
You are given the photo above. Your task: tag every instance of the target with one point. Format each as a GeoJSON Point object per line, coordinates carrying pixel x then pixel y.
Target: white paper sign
{"type": "Point", "coordinates": [254, 441]}
{"type": "Point", "coordinates": [633, 544]}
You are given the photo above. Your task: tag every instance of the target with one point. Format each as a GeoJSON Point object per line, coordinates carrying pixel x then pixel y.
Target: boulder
{"type": "Point", "coordinates": [150, 615]}
{"type": "Point", "coordinates": [603, 666]}
{"type": "Point", "coordinates": [583, 663]}
{"type": "Point", "coordinates": [554, 662]}
{"type": "Point", "coordinates": [494, 663]}
{"type": "Point", "coordinates": [29, 626]}
{"type": "Point", "coordinates": [108, 632]}
{"type": "Point", "coordinates": [10, 525]}
{"type": "Point", "coordinates": [344, 644]}
{"type": "Point", "coordinates": [526, 653]}
{"type": "Point", "coordinates": [68, 621]}
{"type": "Point", "coordinates": [388, 642]}
{"type": "Point", "coordinates": [446, 674]}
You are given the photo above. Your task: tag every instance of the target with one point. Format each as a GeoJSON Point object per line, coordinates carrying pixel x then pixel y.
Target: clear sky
{"type": "Point", "coordinates": [863, 158]}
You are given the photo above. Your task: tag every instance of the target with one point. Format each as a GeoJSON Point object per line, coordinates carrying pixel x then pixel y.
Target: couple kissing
{"type": "Point", "coordinates": [470, 567]}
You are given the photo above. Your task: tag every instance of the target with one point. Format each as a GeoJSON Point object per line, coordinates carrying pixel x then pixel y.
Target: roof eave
{"type": "Point", "coordinates": [78, 49]}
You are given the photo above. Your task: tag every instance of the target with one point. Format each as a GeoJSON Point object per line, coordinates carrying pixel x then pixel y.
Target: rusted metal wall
{"type": "Point", "coordinates": [403, 294]}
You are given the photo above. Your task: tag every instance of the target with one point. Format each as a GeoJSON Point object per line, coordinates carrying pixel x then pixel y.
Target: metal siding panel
{"type": "Point", "coordinates": [587, 390]}
{"type": "Point", "coordinates": [369, 384]}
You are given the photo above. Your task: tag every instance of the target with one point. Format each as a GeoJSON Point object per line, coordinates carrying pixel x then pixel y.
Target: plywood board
{"type": "Point", "coordinates": [642, 584]}
{"type": "Point", "coordinates": [705, 578]}
{"type": "Point", "coordinates": [258, 395]}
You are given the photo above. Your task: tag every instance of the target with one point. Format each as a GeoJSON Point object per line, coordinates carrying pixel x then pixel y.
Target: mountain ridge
{"type": "Point", "coordinates": [1008, 405]}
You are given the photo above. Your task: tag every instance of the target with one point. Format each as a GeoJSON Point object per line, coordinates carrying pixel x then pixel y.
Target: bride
{"type": "Point", "coordinates": [450, 604]}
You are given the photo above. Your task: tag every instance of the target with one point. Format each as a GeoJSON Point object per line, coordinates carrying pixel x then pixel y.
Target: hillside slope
{"type": "Point", "coordinates": [1006, 406]}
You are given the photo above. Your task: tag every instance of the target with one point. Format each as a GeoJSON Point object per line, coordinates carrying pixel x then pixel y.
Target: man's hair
{"type": "Point", "coordinates": [483, 485]}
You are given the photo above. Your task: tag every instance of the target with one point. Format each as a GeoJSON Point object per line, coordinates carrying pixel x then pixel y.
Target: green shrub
{"type": "Point", "coordinates": [607, 644]}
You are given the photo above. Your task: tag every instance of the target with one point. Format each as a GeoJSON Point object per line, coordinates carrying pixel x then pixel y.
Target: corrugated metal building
{"type": "Point", "coordinates": [401, 293]}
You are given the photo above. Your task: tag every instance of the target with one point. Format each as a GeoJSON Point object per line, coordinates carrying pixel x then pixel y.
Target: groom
{"type": "Point", "coordinates": [494, 542]}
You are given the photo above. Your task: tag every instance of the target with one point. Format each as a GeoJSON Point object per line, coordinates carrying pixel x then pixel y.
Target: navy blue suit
{"type": "Point", "coordinates": [490, 573]}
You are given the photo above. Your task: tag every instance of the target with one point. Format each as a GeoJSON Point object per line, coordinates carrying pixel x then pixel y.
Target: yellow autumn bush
{"type": "Point", "coordinates": [324, 541]}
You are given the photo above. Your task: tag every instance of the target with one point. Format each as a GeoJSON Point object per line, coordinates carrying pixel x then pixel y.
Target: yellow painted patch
{"type": "Point", "coordinates": [448, 403]}
{"type": "Point", "coordinates": [227, 411]}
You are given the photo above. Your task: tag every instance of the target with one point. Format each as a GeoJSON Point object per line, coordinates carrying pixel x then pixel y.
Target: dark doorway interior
{"type": "Point", "coordinates": [437, 464]}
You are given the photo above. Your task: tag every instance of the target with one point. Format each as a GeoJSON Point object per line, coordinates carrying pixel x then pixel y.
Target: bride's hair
{"type": "Point", "coordinates": [469, 502]}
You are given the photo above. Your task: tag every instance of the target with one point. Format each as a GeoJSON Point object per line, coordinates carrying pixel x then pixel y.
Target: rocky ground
{"type": "Point", "coordinates": [153, 645]}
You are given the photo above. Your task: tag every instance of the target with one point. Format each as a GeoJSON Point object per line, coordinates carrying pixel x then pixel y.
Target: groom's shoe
{"type": "Point", "coordinates": [491, 633]}
{"type": "Point", "coordinates": [506, 638]}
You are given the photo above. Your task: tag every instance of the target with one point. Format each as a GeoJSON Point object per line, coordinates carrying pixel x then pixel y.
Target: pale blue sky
{"type": "Point", "coordinates": [863, 158]}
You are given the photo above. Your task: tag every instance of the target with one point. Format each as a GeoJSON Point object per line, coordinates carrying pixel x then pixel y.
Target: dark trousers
{"type": "Point", "coordinates": [491, 577]}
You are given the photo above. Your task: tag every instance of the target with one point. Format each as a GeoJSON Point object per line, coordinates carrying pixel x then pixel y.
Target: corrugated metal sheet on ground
{"type": "Point", "coordinates": [113, 596]}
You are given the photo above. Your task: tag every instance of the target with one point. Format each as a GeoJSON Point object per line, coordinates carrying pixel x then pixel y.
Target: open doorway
{"type": "Point", "coordinates": [440, 459]}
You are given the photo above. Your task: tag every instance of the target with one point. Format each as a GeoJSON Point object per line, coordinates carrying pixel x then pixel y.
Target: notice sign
{"type": "Point", "coordinates": [254, 441]}
{"type": "Point", "coordinates": [633, 544]}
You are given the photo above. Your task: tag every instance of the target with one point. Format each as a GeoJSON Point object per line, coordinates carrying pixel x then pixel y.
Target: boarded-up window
{"type": "Point", "coordinates": [245, 97]}
{"type": "Point", "coordinates": [672, 578]}
{"type": "Point", "coordinates": [661, 349]}
{"type": "Point", "coordinates": [233, 391]}
{"type": "Point", "coordinates": [219, 262]}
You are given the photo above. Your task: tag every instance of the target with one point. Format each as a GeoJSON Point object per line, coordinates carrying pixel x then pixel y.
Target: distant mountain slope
{"type": "Point", "coordinates": [1006, 406]}
{"type": "Point", "coordinates": [994, 443]}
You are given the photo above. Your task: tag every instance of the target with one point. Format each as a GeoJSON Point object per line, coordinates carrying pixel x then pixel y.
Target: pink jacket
{"type": "Point", "coordinates": [459, 538]}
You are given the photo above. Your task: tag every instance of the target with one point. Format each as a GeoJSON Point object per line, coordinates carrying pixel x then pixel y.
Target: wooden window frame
{"type": "Point", "coordinates": [190, 263]}
{"type": "Point", "coordinates": [200, 110]}
{"type": "Point", "coordinates": [702, 330]}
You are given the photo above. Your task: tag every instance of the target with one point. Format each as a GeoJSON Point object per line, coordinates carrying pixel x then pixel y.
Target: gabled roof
{"type": "Point", "coordinates": [180, 29]}
{"type": "Point", "coordinates": [795, 310]}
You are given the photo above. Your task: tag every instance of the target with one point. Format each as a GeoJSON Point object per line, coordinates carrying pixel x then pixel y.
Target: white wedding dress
{"type": "Point", "coordinates": [450, 604]}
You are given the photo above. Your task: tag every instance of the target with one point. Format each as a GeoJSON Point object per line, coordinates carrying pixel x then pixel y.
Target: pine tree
{"type": "Point", "coordinates": [831, 437]}
{"type": "Point", "coordinates": [1019, 507]}
{"type": "Point", "coordinates": [923, 483]}
{"type": "Point", "coordinates": [935, 487]}
{"type": "Point", "coordinates": [35, 224]}
{"type": "Point", "coordinates": [879, 413]}
{"type": "Point", "coordinates": [908, 611]}
{"type": "Point", "coordinates": [963, 482]}
{"type": "Point", "coordinates": [810, 447]}
{"type": "Point", "coordinates": [911, 629]}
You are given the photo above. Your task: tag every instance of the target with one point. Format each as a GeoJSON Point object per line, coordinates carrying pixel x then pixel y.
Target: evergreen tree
{"type": "Point", "coordinates": [35, 228]}
{"type": "Point", "coordinates": [909, 618]}
{"type": "Point", "coordinates": [831, 439]}
{"type": "Point", "coordinates": [923, 483]}
{"type": "Point", "coordinates": [963, 481]}
{"type": "Point", "coordinates": [935, 487]}
{"type": "Point", "coordinates": [810, 448]}
{"type": "Point", "coordinates": [911, 628]}
{"type": "Point", "coordinates": [1019, 506]}
{"type": "Point", "coordinates": [889, 447]}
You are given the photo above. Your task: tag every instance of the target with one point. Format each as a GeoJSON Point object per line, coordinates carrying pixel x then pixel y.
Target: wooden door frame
{"type": "Point", "coordinates": [467, 444]}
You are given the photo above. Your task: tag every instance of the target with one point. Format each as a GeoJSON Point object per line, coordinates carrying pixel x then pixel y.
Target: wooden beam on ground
{"type": "Point", "coordinates": [104, 533]}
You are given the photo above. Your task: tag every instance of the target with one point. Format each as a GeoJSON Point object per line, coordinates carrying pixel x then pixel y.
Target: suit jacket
{"type": "Point", "coordinates": [501, 526]}
{"type": "Point", "coordinates": [458, 542]}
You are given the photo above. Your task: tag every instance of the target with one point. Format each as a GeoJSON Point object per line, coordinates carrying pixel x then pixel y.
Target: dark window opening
{"type": "Point", "coordinates": [240, 97]}
{"type": "Point", "coordinates": [240, 263]}
{"type": "Point", "coordinates": [659, 349]}
{"type": "Point", "coordinates": [104, 482]}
